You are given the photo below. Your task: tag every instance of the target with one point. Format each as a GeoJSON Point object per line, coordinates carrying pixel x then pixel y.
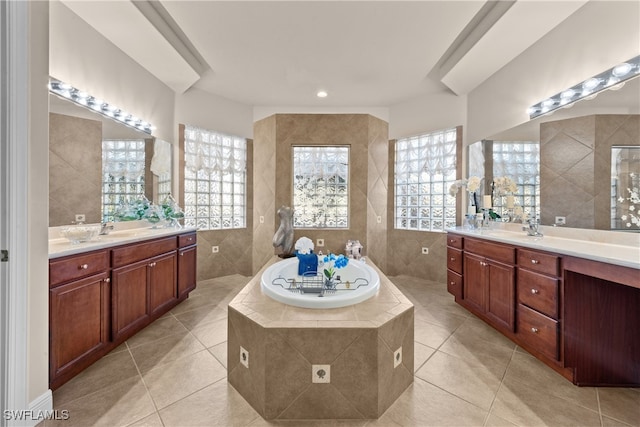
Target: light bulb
{"type": "Point", "coordinates": [621, 70]}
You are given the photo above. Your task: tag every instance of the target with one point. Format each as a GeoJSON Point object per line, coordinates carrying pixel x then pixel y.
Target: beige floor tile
{"type": "Point", "coordinates": [220, 353]}
{"type": "Point", "coordinates": [120, 405]}
{"type": "Point", "coordinates": [178, 379]}
{"type": "Point", "coordinates": [423, 405]}
{"type": "Point", "coordinates": [260, 422]}
{"type": "Point", "coordinates": [159, 329]}
{"type": "Point", "coordinates": [495, 421]}
{"type": "Point", "coordinates": [535, 374]}
{"type": "Point", "coordinates": [105, 373]}
{"type": "Point", "coordinates": [610, 422]}
{"type": "Point", "coordinates": [525, 406]}
{"type": "Point", "coordinates": [622, 404]}
{"type": "Point", "coordinates": [165, 350]}
{"type": "Point", "coordinates": [201, 315]}
{"type": "Point", "coordinates": [465, 344]}
{"type": "Point", "coordinates": [152, 420]}
{"type": "Point", "coordinates": [465, 378]}
{"type": "Point", "coordinates": [441, 317]}
{"type": "Point", "coordinates": [421, 353]}
{"type": "Point", "coordinates": [218, 404]}
{"type": "Point", "coordinates": [202, 298]}
{"type": "Point", "coordinates": [430, 334]}
{"type": "Point", "coordinates": [211, 334]}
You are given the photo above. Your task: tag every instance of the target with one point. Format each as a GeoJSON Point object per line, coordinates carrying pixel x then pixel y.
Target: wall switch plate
{"type": "Point", "coordinates": [244, 357]}
{"type": "Point", "coordinates": [397, 357]}
{"type": "Point", "coordinates": [425, 251]}
{"type": "Point", "coordinates": [261, 219]}
{"type": "Point", "coordinates": [80, 218]}
{"type": "Point", "coordinates": [215, 249]}
{"type": "Point", "coordinates": [321, 374]}
{"type": "Point", "coordinates": [320, 242]}
{"type": "Point", "coordinates": [561, 220]}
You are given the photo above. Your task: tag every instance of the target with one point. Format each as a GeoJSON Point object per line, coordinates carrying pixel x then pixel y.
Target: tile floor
{"type": "Point", "coordinates": [173, 374]}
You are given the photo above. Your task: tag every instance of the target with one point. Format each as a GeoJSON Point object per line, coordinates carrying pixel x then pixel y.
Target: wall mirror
{"type": "Point", "coordinates": [568, 198]}
{"type": "Point", "coordinates": [77, 184]}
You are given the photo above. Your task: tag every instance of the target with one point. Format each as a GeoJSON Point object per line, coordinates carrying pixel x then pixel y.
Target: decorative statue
{"type": "Point", "coordinates": [284, 234]}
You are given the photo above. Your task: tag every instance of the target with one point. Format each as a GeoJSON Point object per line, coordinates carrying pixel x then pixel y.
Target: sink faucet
{"type": "Point", "coordinates": [105, 228]}
{"type": "Point", "coordinates": [532, 230]}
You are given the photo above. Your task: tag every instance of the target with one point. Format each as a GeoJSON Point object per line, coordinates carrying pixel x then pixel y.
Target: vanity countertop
{"type": "Point", "coordinates": [616, 248]}
{"type": "Point", "coordinates": [60, 247]}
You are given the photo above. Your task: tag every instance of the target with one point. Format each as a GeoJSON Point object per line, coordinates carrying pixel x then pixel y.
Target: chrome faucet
{"type": "Point", "coordinates": [106, 228]}
{"type": "Point", "coordinates": [532, 230]}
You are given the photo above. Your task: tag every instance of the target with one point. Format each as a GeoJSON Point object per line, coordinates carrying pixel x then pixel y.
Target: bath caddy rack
{"type": "Point", "coordinates": [314, 283]}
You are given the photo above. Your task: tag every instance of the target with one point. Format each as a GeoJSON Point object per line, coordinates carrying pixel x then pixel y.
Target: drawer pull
{"type": "Point", "coordinates": [181, 253]}
{"type": "Point", "coordinates": [535, 261]}
{"type": "Point", "coordinates": [452, 259]}
{"type": "Point", "coordinates": [107, 280]}
{"type": "Point", "coordinates": [452, 283]}
{"type": "Point", "coordinates": [535, 291]}
{"type": "Point", "coordinates": [451, 241]}
{"type": "Point", "coordinates": [83, 267]}
{"type": "Point", "coordinates": [534, 330]}
{"type": "Point", "coordinates": [153, 264]}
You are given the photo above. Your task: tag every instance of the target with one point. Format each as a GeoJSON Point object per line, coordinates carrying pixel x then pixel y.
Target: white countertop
{"type": "Point", "coordinates": [612, 247]}
{"type": "Point", "coordinates": [123, 234]}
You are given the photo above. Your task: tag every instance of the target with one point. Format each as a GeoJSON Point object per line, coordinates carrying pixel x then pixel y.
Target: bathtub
{"type": "Point", "coordinates": [281, 282]}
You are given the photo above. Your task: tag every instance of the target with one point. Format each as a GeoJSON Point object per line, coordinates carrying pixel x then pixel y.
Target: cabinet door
{"type": "Point", "coordinates": [129, 298]}
{"type": "Point", "coordinates": [162, 282]}
{"type": "Point", "coordinates": [186, 271]}
{"type": "Point", "coordinates": [78, 323]}
{"type": "Point", "coordinates": [473, 293]}
{"type": "Point", "coordinates": [500, 306]}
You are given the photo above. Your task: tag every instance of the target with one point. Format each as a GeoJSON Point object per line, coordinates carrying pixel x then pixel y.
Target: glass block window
{"type": "Point", "coordinates": [520, 161]}
{"type": "Point", "coordinates": [164, 186]}
{"type": "Point", "coordinates": [215, 179]}
{"type": "Point", "coordinates": [321, 187]}
{"type": "Point", "coordinates": [123, 164]}
{"type": "Point", "coordinates": [425, 168]}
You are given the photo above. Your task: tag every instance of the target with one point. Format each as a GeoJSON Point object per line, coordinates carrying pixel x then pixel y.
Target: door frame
{"type": "Point", "coordinates": [14, 140]}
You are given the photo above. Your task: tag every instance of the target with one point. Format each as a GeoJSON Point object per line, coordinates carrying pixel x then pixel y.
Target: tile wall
{"type": "Point", "coordinates": [575, 171]}
{"type": "Point", "coordinates": [75, 169]}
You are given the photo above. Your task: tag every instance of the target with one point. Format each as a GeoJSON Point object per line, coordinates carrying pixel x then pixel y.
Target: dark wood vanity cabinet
{"type": "Point", "coordinates": [489, 282]}
{"type": "Point", "coordinates": [187, 261]}
{"type": "Point", "coordinates": [79, 310]}
{"type": "Point", "coordinates": [99, 299]}
{"type": "Point", "coordinates": [579, 317]}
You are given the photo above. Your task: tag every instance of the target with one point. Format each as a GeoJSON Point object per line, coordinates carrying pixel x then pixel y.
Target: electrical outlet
{"type": "Point", "coordinates": [261, 219]}
{"type": "Point", "coordinates": [379, 219]}
{"type": "Point", "coordinates": [80, 218]}
{"type": "Point", "coordinates": [215, 249]}
{"type": "Point", "coordinates": [244, 357]}
{"type": "Point", "coordinates": [319, 243]}
{"type": "Point", "coordinates": [397, 357]}
{"type": "Point", "coordinates": [561, 220]}
{"type": "Point", "coordinates": [321, 374]}
{"type": "Point", "coordinates": [425, 251]}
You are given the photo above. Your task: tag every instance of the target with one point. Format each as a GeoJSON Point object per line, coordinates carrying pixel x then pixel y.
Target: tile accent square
{"type": "Point", "coordinates": [321, 374]}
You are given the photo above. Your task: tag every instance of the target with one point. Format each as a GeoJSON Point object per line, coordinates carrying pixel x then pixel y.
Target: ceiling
{"type": "Point", "coordinates": [363, 53]}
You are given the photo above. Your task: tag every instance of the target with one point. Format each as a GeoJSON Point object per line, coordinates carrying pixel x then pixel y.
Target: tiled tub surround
{"type": "Point", "coordinates": [283, 343]}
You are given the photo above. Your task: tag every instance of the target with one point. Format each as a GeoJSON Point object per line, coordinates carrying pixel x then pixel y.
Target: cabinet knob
{"type": "Point", "coordinates": [451, 241]}
{"type": "Point", "coordinates": [535, 261]}
{"type": "Point", "coordinates": [534, 330]}
{"type": "Point", "coordinates": [181, 253]}
{"type": "Point", "coordinates": [452, 258]}
{"type": "Point", "coordinates": [452, 283]}
{"type": "Point", "coordinates": [107, 280]}
{"type": "Point", "coordinates": [153, 264]}
{"type": "Point", "coordinates": [83, 267]}
{"type": "Point", "coordinates": [535, 291]}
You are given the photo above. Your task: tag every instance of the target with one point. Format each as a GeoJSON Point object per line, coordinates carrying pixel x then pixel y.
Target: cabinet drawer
{"type": "Point", "coordinates": [494, 251]}
{"type": "Point", "coordinates": [538, 292]}
{"type": "Point", "coordinates": [454, 284]}
{"type": "Point", "coordinates": [538, 261]}
{"type": "Point", "coordinates": [77, 266]}
{"type": "Point", "coordinates": [454, 241]}
{"type": "Point", "coordinates": [538, 331]}
{"type": "Point", "coordinates": [186, 240]}
{"type": "Point", "coordinates": [133, 253]}
{"type": "Point", "coordinates": [454, 260]}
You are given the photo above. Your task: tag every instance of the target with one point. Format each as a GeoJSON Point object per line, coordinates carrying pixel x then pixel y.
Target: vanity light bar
{"type": "Point", "coordinates": [79, 97]}
{"type": "Point", "coordinates": [613, 78]}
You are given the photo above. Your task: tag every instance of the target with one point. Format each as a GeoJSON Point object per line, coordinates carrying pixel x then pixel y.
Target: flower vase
{"type": "Point", "coordinates": [329, 284]}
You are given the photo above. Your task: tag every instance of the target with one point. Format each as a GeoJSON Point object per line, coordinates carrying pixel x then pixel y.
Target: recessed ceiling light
{"type": "Point", "coordinates": [321, 94]}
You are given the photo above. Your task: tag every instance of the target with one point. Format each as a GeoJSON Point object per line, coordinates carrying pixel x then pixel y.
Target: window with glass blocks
{"type": "Point", "coordinates": [425, 168]}
{"type": "Point", "coordinates": [123, 166]}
